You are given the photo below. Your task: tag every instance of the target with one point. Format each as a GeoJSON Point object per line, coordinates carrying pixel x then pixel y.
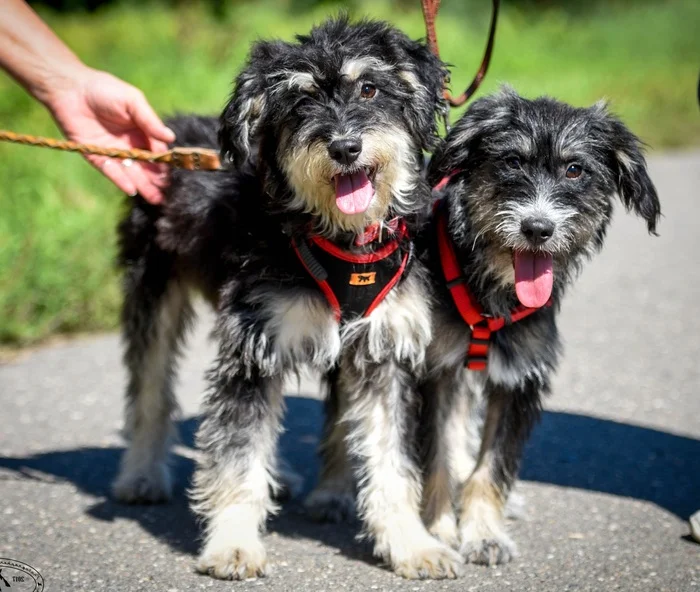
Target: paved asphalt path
{"type": "Point", "coordinates": [611, 473]}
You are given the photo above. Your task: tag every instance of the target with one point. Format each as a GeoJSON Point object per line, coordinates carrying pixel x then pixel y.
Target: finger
{"type": "Point", "coordinates": [144, 183]}
{"type": "Point", "coordinates": [114, 172]}
{"type": "Point", "coordinates": [145, 118]}
{"type": "Point", "coordinates": [159, 174]}
{"type": "Point", "coordinates": [156, 145]}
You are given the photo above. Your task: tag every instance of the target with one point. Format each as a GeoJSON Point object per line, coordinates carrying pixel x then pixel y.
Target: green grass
{"type": "Point", "coordinates": [57, 215]}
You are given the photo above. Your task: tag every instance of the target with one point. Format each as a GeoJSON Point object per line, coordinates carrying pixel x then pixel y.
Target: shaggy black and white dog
{"type": "Point", "coordinates": [529, 199]}
{"type": "Point", "coordinates": [326, 137]}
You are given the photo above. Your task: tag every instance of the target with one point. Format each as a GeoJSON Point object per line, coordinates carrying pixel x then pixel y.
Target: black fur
{"type": "Point", "coordinates": [228, 235]}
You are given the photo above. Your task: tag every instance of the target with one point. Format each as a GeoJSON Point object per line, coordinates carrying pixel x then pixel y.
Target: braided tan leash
{"type": "Point", "coordinates": [191, 159]}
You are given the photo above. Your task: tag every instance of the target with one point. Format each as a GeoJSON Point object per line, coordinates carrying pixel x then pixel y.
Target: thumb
{"type": "Point", "coordinates": [146, 119]}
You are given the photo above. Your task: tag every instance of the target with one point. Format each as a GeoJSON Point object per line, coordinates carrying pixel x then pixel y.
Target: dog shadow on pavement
{"type": "Point", "coordinates": [565, 449]}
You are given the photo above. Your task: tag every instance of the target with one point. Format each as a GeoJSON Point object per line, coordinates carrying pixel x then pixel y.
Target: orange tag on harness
{"type": "Point", "coordinates": [363, 279]}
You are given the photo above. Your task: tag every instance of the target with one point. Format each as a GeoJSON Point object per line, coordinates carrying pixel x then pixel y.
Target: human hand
{"type": "Point", "coordinates": [94, 107]}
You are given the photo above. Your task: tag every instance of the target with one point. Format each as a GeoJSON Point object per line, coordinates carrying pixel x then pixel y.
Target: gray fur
{"type": "Point", "coordinates": [509, 160]}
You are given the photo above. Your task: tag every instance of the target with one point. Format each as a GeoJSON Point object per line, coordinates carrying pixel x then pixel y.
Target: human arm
{"type": "Point", "coordinates": [89, 106]}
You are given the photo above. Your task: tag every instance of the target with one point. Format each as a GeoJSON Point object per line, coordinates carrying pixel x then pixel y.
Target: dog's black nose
{"type": "Point", "coordinates": [537, 230]}
{"type": "Point", "coordinates": [345, 150]}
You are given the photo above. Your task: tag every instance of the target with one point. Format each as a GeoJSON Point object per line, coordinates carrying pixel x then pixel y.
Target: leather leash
{"type": "Point", "coordinates": [430, 10]}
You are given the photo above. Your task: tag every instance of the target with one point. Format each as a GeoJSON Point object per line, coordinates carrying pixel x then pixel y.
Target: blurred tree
{"type": "Point", "coordinates": [71, 5]}
{"type": "Point", "coordinates": [218, 7]}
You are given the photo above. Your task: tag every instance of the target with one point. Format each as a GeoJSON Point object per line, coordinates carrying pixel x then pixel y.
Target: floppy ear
{"type": "Point", "coordinates": [425, 75]}
{"type": "Point", "coordinates": [483, 116]}
{"type": "Point", "coordinates": [240, 122]}
{"type": "Point", "coordinates": [634, 186]}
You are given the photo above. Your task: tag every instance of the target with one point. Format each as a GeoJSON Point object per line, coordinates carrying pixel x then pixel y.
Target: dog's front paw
{"type": "Point", "coordinates": [331, 505]}
{"type": "Point", "coordinates": [233, 563]}
{"type": "Point", "coordinates": [145, 486]}
{"type": "Point", "coordinates": [491, 550]}
{"type": "Point", "coordinates": [435, 561]}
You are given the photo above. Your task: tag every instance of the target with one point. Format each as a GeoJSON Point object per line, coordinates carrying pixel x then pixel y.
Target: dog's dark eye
{"type": "Point", "coordinates": [367, 91]}
{"type": "Point", "coordinates": [513, 162]}
{"type": "Point", "coordinates": [574, 171]}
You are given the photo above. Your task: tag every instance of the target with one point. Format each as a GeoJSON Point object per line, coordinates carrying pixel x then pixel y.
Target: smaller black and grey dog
{"type": "Point", "coordinates": [529, 199]}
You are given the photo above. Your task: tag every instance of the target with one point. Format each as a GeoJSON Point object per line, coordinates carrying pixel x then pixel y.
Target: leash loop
{"type": "Point", "coordinates": [430, 10]}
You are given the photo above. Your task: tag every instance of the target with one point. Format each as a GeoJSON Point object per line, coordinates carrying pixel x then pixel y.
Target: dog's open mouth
{"type": "Point", "coordinates": [534, 277]}
{"type": "Point", "coordinates": [354, 191]}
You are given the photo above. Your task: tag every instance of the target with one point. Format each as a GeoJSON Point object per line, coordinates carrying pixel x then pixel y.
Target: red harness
{"type": "Point", "coordinates": [481, 325]}
{"type": "Point", "coordinates": [354, 284]}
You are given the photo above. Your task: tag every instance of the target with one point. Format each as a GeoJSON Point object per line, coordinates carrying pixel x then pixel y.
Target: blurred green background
{"type": "Point", "coordinates": [57, 215]}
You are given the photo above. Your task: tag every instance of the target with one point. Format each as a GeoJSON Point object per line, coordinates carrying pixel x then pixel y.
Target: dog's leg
{"type": "Point", "coordinates": [333, 499]}
{"type": "Point", "coordinates": [457, 431]}
{"type": "Point", "coordinates": [509, 418]}
{"type": "Point", "coordinates": [381, 436]}
{"type": "Point", "coordinates": [448, 456]}
{"type": "Point", "coordinates": [437, 505]}
{"type": "Point", "coordinates": [235, 477]}
{"type": "Point", "coordinates": [155, 315]}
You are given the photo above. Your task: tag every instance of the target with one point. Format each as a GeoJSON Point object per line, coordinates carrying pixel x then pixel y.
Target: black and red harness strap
{"type": "Point", "coordinates": [354, 284]}
{"type": "Point", "coordinates": [481, 325]}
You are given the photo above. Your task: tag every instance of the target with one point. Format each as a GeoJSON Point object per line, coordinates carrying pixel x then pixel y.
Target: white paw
{"type": "Point", "coordinates": [330, 505]}
{"type": "Point", "coordinates": [233, 562]}
{"type": "Point", "coordinates": [151, 485]}
{"type": "Point", "coordinates": [433, 561]}
{"type": "Point", "coordinates": [487, 549]}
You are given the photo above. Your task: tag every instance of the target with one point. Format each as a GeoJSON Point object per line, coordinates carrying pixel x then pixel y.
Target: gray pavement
{"type": "Point", "coordinates": [611, 474]}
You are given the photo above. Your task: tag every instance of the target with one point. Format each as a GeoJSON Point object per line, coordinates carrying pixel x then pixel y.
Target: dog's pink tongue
{"type": "Point", "coordinates": [533, 278]}
{"type": "Point", "coordinates": [353, 193]}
